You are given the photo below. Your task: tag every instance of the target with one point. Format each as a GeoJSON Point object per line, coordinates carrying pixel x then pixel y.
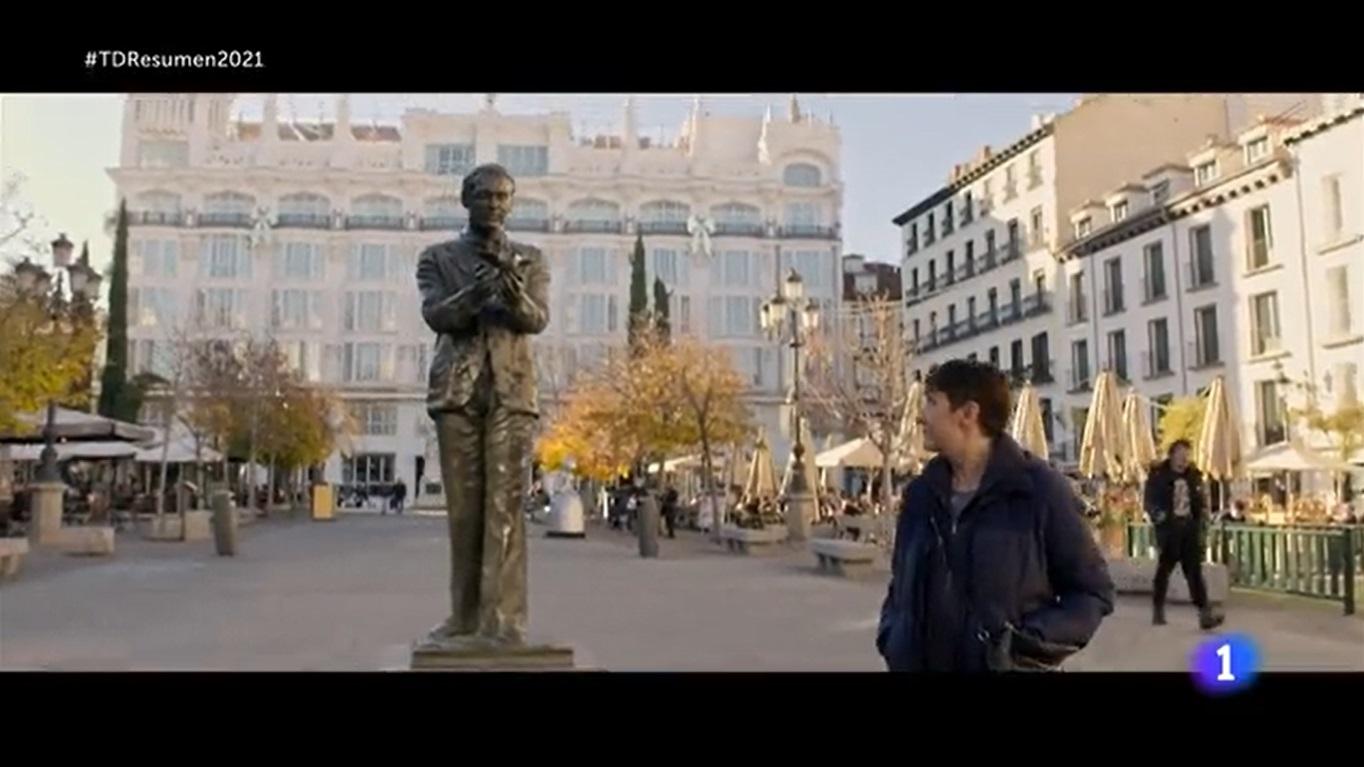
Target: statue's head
{"type": "Point", "coordinates": [487, 194]}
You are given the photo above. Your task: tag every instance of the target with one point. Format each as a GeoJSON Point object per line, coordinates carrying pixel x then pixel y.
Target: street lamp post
{"type": "Point", "coordinates": [788, 317]}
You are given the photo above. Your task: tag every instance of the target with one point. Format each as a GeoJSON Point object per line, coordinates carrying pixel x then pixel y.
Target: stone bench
{"type": "Point", "coordinates": [839, 557]}
{"type": "Point", "coordinates": [12, 553]}
{"type": "Point", "coordinates": [84, 541]}
{"type": "Point", "coordinates": [198, 527]}
{"type": "Point", "coordinates": [742, 540]}
{"type": "Point", "coordinates": [1136, 576]}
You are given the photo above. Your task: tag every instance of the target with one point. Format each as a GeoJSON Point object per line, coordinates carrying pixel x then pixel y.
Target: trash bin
{"type": "Point", "coordinates": [324, 503]}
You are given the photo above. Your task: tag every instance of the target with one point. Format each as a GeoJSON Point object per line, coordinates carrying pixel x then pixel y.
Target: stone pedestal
{"type": "Point", "coordinates": [646, 524]}
{"type": "Point", "coordinates": [12, 553]}
{"type": "Point", "coordinates": [198, 527]}
{"type": "Point", "coordinates": [800, 515]}
{"type": "Point", "coordinates": [224, 524]}
{"type": "Point", "coordinates": [86, 541]}
{"type": "Point", "coordinates": [45, 517]}
{"type": "Point", "coordinates": [472, 654]}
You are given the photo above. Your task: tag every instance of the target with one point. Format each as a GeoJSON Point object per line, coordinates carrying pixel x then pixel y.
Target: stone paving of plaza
{"type": "Point", "coordinates": [353, 594]}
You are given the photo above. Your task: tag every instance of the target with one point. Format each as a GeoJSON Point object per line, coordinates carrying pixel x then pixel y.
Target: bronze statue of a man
{"type": "Point", "coordinates": [484, 296]}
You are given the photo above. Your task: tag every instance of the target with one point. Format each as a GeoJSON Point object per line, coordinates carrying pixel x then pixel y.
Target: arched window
{"type": "Point", "coordinates": [664, 216]}
{"type": "Point", "coordinates": [801, 174]}
{"type": "Point", "coordinates": [375, 211]}
{"type": "Point", "coordinates": [594, 216]}
{"type": "Point", "coordinates": [157, 208]}
{"type": "Point", "coordinates": [737, 218]}
{"type": "Point", "coordinates": [227, 209]}
{"type": "Point", "coordinates": [443, 213]}
{"type": "Point", "coordinates": [304, 209]}
{"type": "Point", "coordinates": [529, 215]}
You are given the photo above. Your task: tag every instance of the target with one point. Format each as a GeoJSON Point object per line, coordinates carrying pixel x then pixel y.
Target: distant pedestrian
{"type": "Point", "coordinates": [1176, 502]}
{"type": "Point", "coordinates": [670, 501]}
{"type": "Point", "coordinates": [399, 495]}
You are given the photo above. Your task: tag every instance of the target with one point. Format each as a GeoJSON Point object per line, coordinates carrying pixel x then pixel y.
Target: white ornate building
{"type": "Point", "coordinates": [309, 232]}
{"type": "Point", "coordinates": [985, 270]}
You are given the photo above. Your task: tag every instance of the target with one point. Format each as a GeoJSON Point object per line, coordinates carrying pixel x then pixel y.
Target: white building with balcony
{"type": "Point", "coordinates": [981, 269]}
{"type": "Point", "coordinates": [1236, 262]}
{"type": "Point", "coordinates": [309, 232]}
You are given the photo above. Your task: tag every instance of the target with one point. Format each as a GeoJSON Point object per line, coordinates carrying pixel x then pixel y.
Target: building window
{"type": "Point", "coordinates": [802, 218]}
{"type": "Point", "coordinates": [1041, 358]}
{"type": "Point", "coordinates": [592, 313]}
{"type": "Point", "coordinates": [994, 356]}
{"type": "Point", "coordinates": [992, 296]}
{"type": "Point", "coordinates": [523, 160]}
{"type": "Point", "coordinates": [1207, 350]}
{"type": "Point", "coordinates": [930, 230]}
{"type": "Point", "coordinates": [801, 174]}
{"type": "Point", "coordinates": [1113, 288]}
{"type": "Point", "coordinates": [933, 275]}
{"type": "Point", "coordinates": [1271, 413]}
{"type": "Point", "coordinates": [1200, 242]}
{"type": "Point", "coordinates": [1078, 306]}
{"type": "Point", "coordinates": [1016, 357]}
{"type": "Point", "coordinates": [1158, 336]}
{"type": "Point", "coordinates": [369, 311]}
{"type": "Point", "coordinates": [1016, 296]}
{"type": "Point", "coordinates": [1257, 150]}
{"type": "Point", "coordinates": [1079, 365]}
{"type": "Point", "coordinates": [813, 267]}
{"type": "Point", "coordinates": [1264, 323]}
{"type": "Point", "coordinates": [736, 268]}
{"type": "Point", "coordinates": [950, 268]}
{"type": "Point", "coordinates": [300, 261]}
{"type": "Point", "coordinates": [932, 327]}
{"type": "Point", "coordinates": [1119, 211]}
{"type": "Point", "coordinates": [1261, 238]}
{"type": "Point", "coordinates": [736, 216]}
{"type": "Point", "coordinates": [1010, 186]}
{"type": "Point", "coordinates": [948, 220]}
{"type": "Point", "coordinates": [1012, 226]}
{"type": "Point", "coordinates": [296, 309]}
{"type": "Point", "coordinates": [367, 469]}
{"type": "Point", "coordinates": [968, 213]}
{"type": "Point", "coordinates": [1153, 284]}
{"type": "Point", "coordinates": [1160, 192]}
{"type": "Point", "coordinates": [740, 316]}
{"type": "Point", "coordinates": [971, 311]}
{"type": "Point", "coordinates": [364, 362]}
{"type": "Point", "coordinates": [163, 154]}
{"type": "Point", "coordinates": [664, 217]}
{"type": "Point", "coordinates": [1334, 214]}
{"type": "Point", "coordinates": [225, 256]}
{"type": "Point", "coordinates": [221, 308]}
{"type": "Point", "coordinates": [990, 247]}
{"type": "Point", "coordinates": [156, 258]}
{"type": "Point", "coordinates": [373, 262]}
{"type": "Point", "coordinates": [1117, 353]}
{"type": "Point", "coordinates": [1206, 173]}
{"type": "Point", "coordinates": [1035, 233]}
{"type": "Point", "coordinates": [664, 265]}
{"type": "Point", "coordinates": [1338, 300]}
{"type": "Point", "coordinates": [1083, 227]}
{"type": "Point", "coordinates": [1034, 169]}
{"type": "Point", "coordinates": [379, 419]}
{"type": "Point", "coordinates": [912, 241]}
{"type": "Point", "coordinates": [153, 307]}
{"type": "Point", "coordinates": [1044, 405]}
{"type": "Point", "coordinates": [594, 216]}
{"type": "Point", "coordinates": [914, 280]}
{"type": "Point", "coordinates": [594, 267]}
{"type": "Point", "coordinates": [449, 159]}
{"type": "Point", "coordinates": [916, 330]}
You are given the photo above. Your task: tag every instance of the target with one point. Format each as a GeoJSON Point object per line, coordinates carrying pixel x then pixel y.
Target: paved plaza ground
{"type": "Point", "coordinates": [353, 594]}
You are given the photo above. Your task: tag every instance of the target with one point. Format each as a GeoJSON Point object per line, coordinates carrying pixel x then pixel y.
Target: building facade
{"type": "Point", "coordinates": [983, 272]}
{"type": "Point", "coordinates": [309, 232]}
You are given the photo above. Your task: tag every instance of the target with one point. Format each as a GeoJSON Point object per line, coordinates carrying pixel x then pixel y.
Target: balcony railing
{"type": "Point", "coordinates": [442, 223]}
{"type": "Point", "coordinates": [1041, 371]}
{"type": "Point", "coordinates": [304, 221]}
{"type": "Point", "coordinates": [1011, 252]}
{"type": "Point", "coordinates": [1080, 380]}
{"type": "Point", "coordinates": [807, 232]}
{"type": "Point", "coordinates": [156, 218]}
{"type": "Point", "coordinates": [527, 225]}
{"type": "Point", "coordinates": [1157, 365]}
{"type": "Point", "coordinates": [239, 220]}
{"type": "Point", "coordinates": [740, 230]}
{"type": "Point", "coordinates": [663, 227]}
{"type": "Point", "coordinates": [374, 222]}
{"type": "Point", "coordinates": [1036, 305]}
{"type": "Point", "coordinates": [593, 227]}
{"type": "Point", "coordinates": [985, 322]}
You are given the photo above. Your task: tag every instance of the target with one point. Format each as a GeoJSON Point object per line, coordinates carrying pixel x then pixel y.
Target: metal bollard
{"type": "Point", "coordinates": [646, 525]}
{"type": "Point", "coordinates": [224, 524]}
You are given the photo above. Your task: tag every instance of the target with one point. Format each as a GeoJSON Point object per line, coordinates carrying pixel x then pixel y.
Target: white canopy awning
{"type": "Point", "coordinates": [69, 450]}
{"type": "Point", "coordinates": [181, 451]}
{"type": "Point", "coordinates": [1292, 457]}
{"type": "Point", "coordinates": [677, 464]}
{"type": "Point", "coordinates": [860, 453]}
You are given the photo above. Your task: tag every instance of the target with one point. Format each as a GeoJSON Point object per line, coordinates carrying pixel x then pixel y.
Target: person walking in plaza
{"type": "Point", "coordinates": [993, 569]}
{"type": "Point", "coordinates": [399, 495]}
{"type": "Point", "coordinates": [670, 501]}
{"type": "Point", "coordinates": [1177, 504]}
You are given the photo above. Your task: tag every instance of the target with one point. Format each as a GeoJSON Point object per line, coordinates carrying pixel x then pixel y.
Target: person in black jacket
{"type": "Point", "coordinates": [994, 568]}
{"type": "Point", "coordinates": [1178, 507]}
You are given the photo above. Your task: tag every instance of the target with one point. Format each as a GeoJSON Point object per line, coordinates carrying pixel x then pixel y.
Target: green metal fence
{"type": "Point", "coordinates": [1322, 562]}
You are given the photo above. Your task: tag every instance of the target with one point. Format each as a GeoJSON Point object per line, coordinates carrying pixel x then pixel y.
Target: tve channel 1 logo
{"type": "Point", "coordinates": [1225, 664]}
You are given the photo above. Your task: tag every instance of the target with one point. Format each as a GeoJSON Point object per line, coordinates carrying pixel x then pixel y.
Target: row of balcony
{"type": "Point", "coordinates": [985, 263]}
{"type": "Point", "coordinates": [1033, 306]}
{"type": "Point", "coordinates": [397, 223]}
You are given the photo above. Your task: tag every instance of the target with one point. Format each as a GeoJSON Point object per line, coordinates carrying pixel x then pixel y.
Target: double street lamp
{"type": "Point", "coordinates": [789, 317]}
{"type": "Point", "coordinates": [35, 280]}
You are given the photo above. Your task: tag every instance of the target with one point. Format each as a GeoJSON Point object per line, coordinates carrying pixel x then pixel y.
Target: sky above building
{"type": "Point", "coordinates": [897, 149]}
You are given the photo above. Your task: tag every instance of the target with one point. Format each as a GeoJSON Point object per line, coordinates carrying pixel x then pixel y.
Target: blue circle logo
{"type": "Point", "coordinates": [1225, 664]}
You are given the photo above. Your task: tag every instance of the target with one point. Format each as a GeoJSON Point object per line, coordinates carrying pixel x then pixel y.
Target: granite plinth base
{"type": "Point", "coordinates": [474, 654]}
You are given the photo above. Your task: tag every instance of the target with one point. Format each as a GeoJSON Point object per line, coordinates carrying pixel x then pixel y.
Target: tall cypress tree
{"type": "Point", "coordinates": [117, 398]}
{"type": "Point", "coordinates": [639, 296]}
{"type": "Point", "coordinates": [661, 322]}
